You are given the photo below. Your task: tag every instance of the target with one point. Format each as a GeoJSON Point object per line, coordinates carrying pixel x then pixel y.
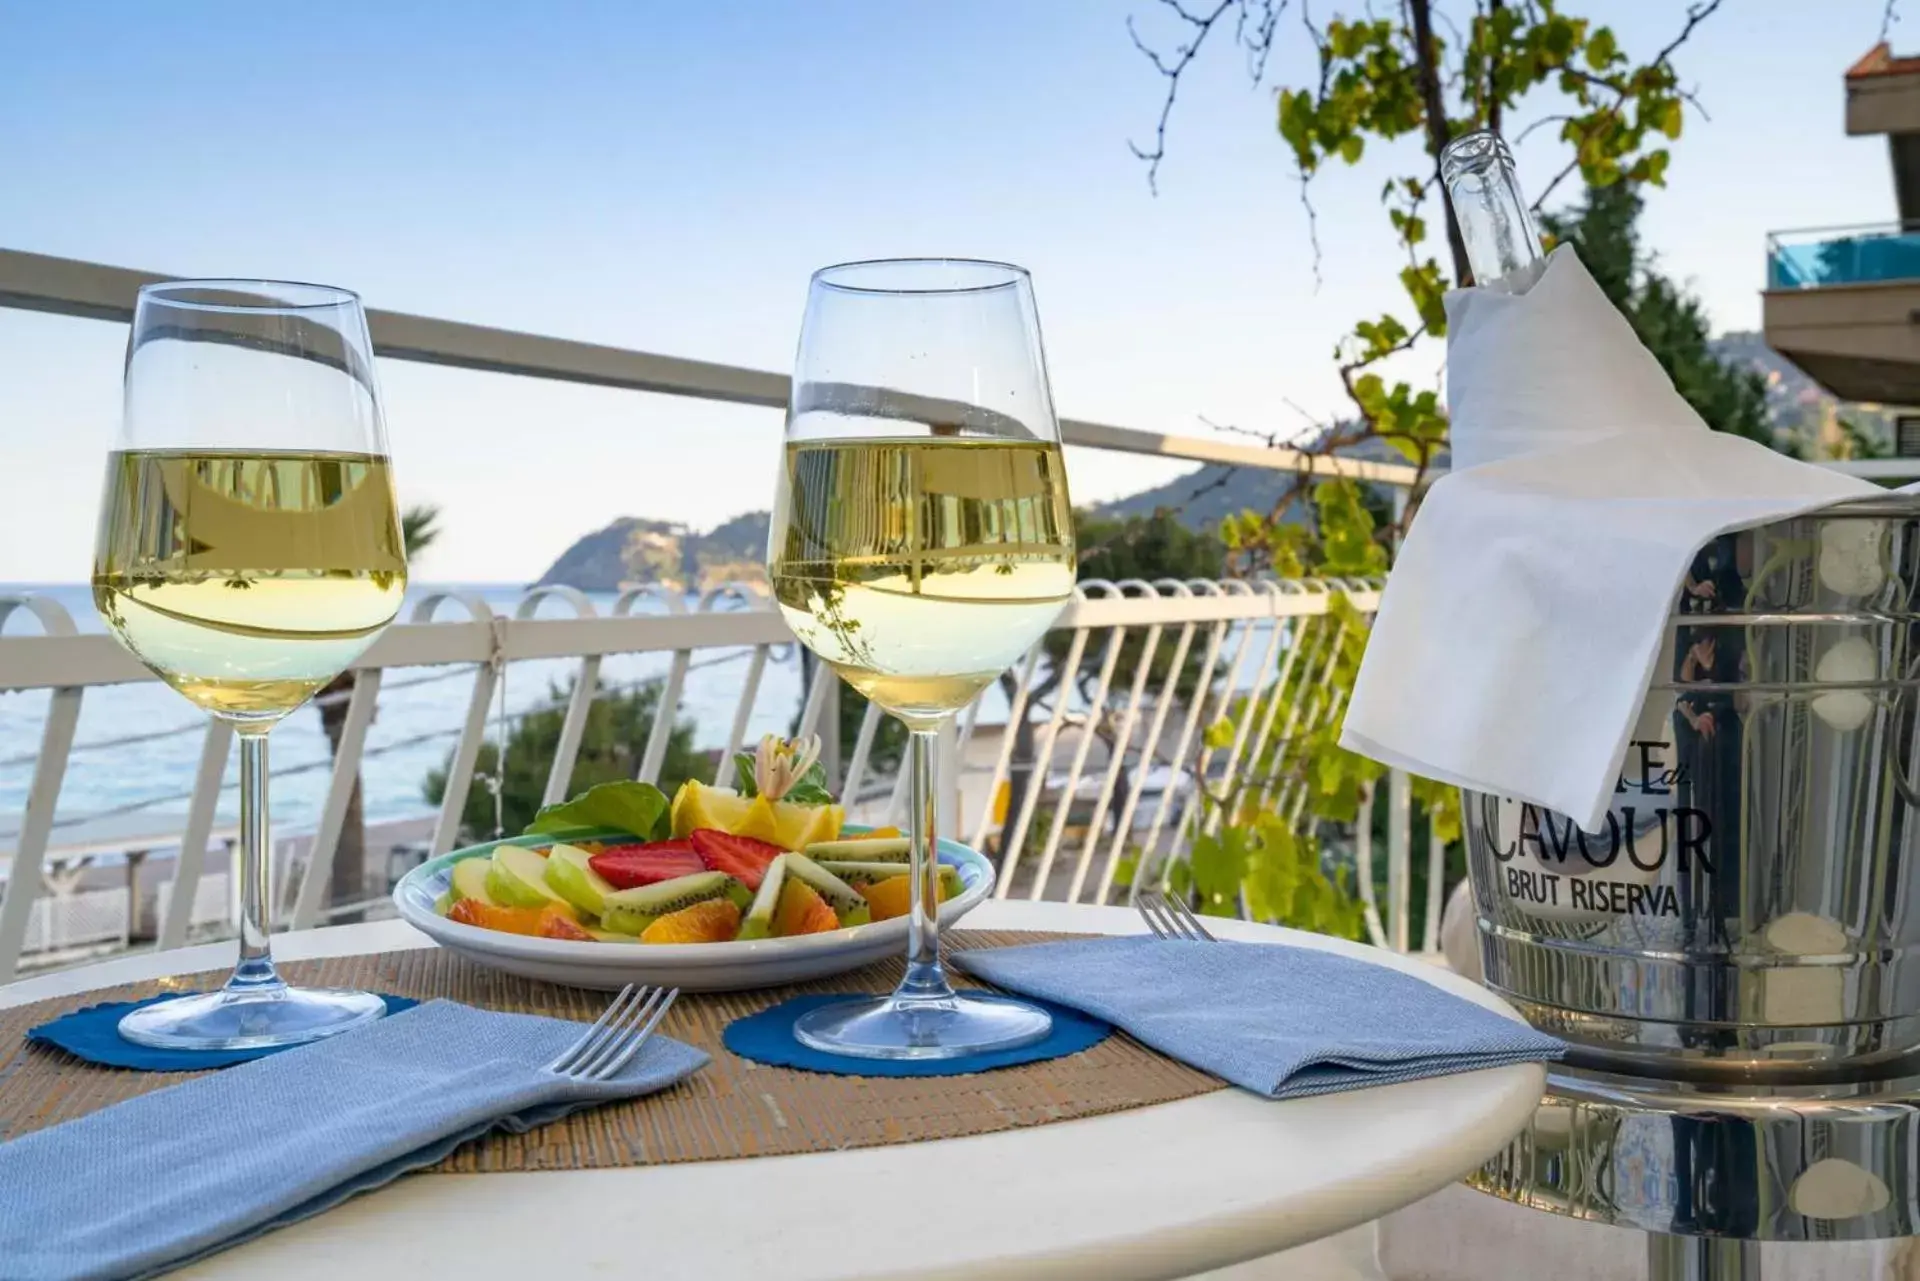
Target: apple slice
{"type": "Point", "coordinates": [470, 880]}
{"type": "Point", "coordinates": [518, 878]}
{"type": "Point", "coordinates": [569, 875]}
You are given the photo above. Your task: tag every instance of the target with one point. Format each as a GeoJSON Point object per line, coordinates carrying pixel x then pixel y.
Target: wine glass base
{"type": "Point", "coordinates": [262, 1018]}
{"type": "Point", "coordinates": [922, 1027]}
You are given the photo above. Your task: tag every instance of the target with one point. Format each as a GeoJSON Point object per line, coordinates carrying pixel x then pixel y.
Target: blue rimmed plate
{"type": "Point", "coordinates": [692, 967]}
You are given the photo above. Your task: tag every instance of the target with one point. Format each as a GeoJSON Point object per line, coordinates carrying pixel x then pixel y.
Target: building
{"type": "Point", "coordinates": [1843, 303]}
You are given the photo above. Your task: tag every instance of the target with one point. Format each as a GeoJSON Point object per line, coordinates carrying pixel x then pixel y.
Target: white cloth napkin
{"type": "Point", "coordinates": [1523, 617]}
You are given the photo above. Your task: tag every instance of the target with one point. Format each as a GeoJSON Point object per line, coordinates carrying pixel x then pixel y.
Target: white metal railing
{"type": "Point", "coordinates": [1232, 644]}
{"type": "Point", "coordinates": [68, 287]}
{"type": "Point", "coordinates": [1227, 630]}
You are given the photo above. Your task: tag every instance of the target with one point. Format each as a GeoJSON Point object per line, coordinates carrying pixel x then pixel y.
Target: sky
{"type": "Point", "coordinates": [665, 176]}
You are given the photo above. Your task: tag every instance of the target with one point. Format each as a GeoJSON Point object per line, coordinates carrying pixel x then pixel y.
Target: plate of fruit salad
{"type": "Point", "coordinates": [717, 889]}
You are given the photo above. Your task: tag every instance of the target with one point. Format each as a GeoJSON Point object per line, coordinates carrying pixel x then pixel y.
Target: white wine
{"type": "Point", "coordinates": [247, 580]}
{"type": "Point", "coordinates": [921, 568]}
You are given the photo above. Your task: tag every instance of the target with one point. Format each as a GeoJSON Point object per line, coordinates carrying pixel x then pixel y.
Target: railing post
{"type": "Point", "coordinates": [829, 726]}
{"type": "Point", "coordinates": [1399, 852]}
{"type": "Point", "coordinates": [43, 793]}
{"type": "Point", "coordinates": [453, 802]}
{"type": "Point", "coordinates": [946, 764]}
{"type": "Point", "coordinates": [749, 688]}
{"type": "Point", "coordinates": [325, 845]}
{"type": "Point", "coordinates": [191, 861]}
{"type": "Point", "coordinates": [586, 684]}
{"type": "Point", "coordinates": [667, 707]}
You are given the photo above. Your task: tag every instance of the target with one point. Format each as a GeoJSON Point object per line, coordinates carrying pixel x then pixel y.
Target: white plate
{"type": "Point", "coordinates": [692, 967]}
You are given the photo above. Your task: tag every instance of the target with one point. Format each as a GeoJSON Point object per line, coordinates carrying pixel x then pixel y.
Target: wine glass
{"type": "Point", "coordinates": [921, 542]}
{"type": "Point", "coordinates": [249, 549]}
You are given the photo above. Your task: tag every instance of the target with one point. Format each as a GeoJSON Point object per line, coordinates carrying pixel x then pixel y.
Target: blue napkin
{"type": "Point", "coordinates": [145, 1186]}
{"type": "Point", "coordinates": [1280, 1021]}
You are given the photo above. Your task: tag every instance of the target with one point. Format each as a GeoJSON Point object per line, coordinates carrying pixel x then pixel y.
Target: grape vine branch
{"type": "Point", "coordinates": [1417, 74]}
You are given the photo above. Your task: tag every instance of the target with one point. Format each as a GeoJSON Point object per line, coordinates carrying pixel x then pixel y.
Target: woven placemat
{"type": "Point", "coordinates": [732, 1108]}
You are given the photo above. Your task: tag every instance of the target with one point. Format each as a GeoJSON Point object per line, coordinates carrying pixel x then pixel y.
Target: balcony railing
{"type": "Point", "coordinates": [1824, 257]}
{"type": "Point", "coordinates": [1119, 754]}
{"type": "Point", "coordinates": [1118, 760]}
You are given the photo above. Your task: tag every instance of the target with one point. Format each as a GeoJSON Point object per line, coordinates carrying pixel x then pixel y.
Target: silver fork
{"type": "Point", "coordinates": [616, 1036]}
{"type": "Point", "coordinates": [1171, 918]}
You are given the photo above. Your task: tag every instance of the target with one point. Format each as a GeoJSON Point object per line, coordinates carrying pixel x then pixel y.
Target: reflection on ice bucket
{"type": "Point", "coordinates": [1747, 906]}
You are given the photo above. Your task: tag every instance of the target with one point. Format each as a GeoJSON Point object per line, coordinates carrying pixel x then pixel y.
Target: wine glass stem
{"type": "Point", "coordinates": [255, 970]}
{"type": "Point", "coordinates": [925, 978]}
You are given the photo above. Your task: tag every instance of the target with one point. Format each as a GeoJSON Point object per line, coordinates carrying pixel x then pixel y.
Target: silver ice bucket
{"type": "Point", "coordinates": [1748, 909]}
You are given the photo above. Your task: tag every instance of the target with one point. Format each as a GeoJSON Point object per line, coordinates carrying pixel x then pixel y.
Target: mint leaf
{"type": "Point", "coordinates": [639, 808]}
{"type": "Point", "coordinates": [743, 777]}
{"type": "Point", "coordinates": [812, 788]}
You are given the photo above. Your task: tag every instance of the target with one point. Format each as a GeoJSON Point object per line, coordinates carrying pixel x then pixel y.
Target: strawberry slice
{"type": "Point", "coordinates": [741, 857]}
{"type": "Point", "coordinates": [628, 866]}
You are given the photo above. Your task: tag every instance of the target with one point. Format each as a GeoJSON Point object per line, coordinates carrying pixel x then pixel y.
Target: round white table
{"type": "Point", "coordinates": [1159, 1192]}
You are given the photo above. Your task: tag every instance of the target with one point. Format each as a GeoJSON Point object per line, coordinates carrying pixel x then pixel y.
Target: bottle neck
{"type": "Point", "coordinates": [1495, 225]}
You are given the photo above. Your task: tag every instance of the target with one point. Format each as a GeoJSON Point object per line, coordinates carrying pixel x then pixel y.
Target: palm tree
{"type": "Point", "coordinates": [419, 529]}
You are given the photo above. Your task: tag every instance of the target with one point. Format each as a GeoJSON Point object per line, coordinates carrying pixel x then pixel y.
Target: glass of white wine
{"type": "Point", "coordinates": [922, 541]}
{"type": "Point", "coordinates": [249, 550]}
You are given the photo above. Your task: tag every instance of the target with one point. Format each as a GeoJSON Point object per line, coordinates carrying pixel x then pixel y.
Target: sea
{"type": "Point", "coordinates": [418, 721]}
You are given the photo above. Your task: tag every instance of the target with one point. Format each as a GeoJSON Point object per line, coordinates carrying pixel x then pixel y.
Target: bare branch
{"type": "Point", "coordinates": [1540, 200]}
{"type": "Point", "coordinates": [1426, 61]}
{"type": "Point", "coordinates": [1493, 70]}
{"type": "Point", "coordinates": [1253, 30]}
{"type": "Point", "coordinates": [1696, 14]}
{"type": "Point", "coordinates": [1319, 423]}
{"type": "Point", "coordinates": [1218, 482]}
{"type": "Point", "coordinates": [1260, 44]}
{"type": "Point", "coordinates": [1349, 368]}
{"type": "Point", "coordinates": [1268, 438]}
{"type": "Point", "coordinates": [1313, 230]}
{"type": "Point", "coordinates": [1173, 69]}
{"type": "Point", "coordinates": [1306, 195]}
{"type": "Point", "coordinates": [1541, 123]}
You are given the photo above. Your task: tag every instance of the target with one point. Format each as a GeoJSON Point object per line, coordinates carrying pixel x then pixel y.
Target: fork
{"type": "Point", "coordinates": [1171, 918]}
{"type": "Point", "coordinates": [616, 1036]}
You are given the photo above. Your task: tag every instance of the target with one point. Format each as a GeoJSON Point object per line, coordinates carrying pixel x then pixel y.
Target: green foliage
{"type": "Point", "coordinates": [611, 744]}
{"type": "Point", "coordinates": [1310, 760]}
{"type": "Point", "coordinates": [1339, 542]}
{"type": "Point", "coordinates": [1383, 79]}
{"type": "Point", "coordinates": [1280, 871]}
{"type": "Point", "coordinates": [1857, 441]}
{"type": "Point", "coordinates": [1149, 548]}
{"type": "Point", "coordinates": [1603, 229]}
{"type": "Point", "coordinates": [1260, 851]}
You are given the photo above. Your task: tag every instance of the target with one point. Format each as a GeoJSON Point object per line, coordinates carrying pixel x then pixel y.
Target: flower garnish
{"type": "Point", "coordinates": [780, 765]}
